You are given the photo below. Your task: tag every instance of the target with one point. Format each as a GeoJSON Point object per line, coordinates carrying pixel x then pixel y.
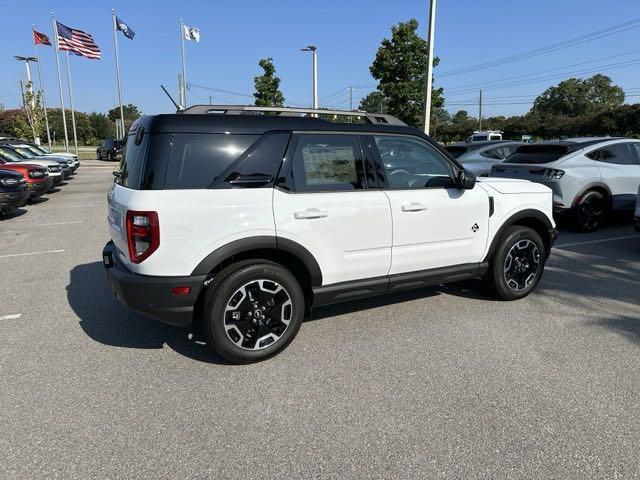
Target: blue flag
{"type": "Point", "coordinates": [125, 29]}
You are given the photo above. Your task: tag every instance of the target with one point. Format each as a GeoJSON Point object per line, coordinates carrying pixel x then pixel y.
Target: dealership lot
{"type": "Point", "coordinates": [439, 383]}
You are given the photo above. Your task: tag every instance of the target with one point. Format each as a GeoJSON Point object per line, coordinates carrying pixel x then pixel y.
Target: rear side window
{"type": "Point", "coordinates": [456, 151]}
{"type": "Point", "coordinates": [327, 163]}
{"type": "Point", "coordinates": [197, 159]}
{"type": "Point", "coordinates": [132, 163]}
{"type": "Point", "coordinates": [619, 154]}
{"type": "Point", "coordinates": [538, 154]}
{"type": "Point", "coordinates": [479, 138]}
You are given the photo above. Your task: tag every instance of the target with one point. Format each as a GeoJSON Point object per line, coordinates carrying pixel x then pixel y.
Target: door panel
{"type": "Point", "coordinates": [348, 233]}
{"type": "Point", "coordinates": [620, 171]}
{"type": "Point", "coordinates": [450, 228]}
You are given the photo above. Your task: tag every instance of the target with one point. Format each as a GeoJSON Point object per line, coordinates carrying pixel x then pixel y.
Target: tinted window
{"type": "Point", "coordinates": [619, 153]}
{"type": "Point", "coordinates": [197, 159]}
{"type": "Point", "coordinates": [538, 154]}
{"type": "Point", "coordinates": [478, 138]}
{"type": "Point", "coordinates": [327, 162]}
{"type": "Point", "coordinates": [495, 137]}
{"type": "Point", "coordinates": [412, 163]}
{"type": "Point", "coordinates": [132, 162]}
{"type": "Point", "coordinates": [499, 153]}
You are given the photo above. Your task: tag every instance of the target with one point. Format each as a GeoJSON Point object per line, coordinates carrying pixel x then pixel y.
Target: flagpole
{"type": "Point", "coordinates": [183, 92]}
{"type": "Point", "coordinates": [44, 104]}
{"type": "Point", "coordinates": [115, 44]}
{"type": "Point", "coordinates": [64, 117]}
{"type": "Point", "coordinates": [73, 115]}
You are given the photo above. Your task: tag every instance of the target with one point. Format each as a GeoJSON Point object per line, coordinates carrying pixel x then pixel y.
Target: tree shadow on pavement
{"type": "Point", "coordinates": [106, 321]}
{"type": "Point", "coordinates": [625, 326]}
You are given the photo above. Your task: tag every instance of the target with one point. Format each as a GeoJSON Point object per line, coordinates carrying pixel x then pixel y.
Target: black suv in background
{"type": "Point", "coordinates": [13, 191]}
{"type": "Point", "coordinates": [110, 149]}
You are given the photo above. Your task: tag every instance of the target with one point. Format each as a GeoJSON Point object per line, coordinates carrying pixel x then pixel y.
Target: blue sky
{"type": "Point", "coordinates": [235, 35]}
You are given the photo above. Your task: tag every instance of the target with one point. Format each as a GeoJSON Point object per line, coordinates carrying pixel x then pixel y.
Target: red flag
{"type": "Point", "coordinates": [41, 38]}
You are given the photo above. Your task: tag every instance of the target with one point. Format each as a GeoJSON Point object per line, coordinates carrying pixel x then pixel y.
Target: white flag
{"type": "Point", "coordinates": [191, 33]}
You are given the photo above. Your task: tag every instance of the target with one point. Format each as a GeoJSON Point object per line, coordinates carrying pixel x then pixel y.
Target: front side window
{"type": "Point", "coordinates": [619, 154]}
{"type": "Point", "coordinates": [412, 163]}
{"type": "Point", "coordinates": [324, 162]}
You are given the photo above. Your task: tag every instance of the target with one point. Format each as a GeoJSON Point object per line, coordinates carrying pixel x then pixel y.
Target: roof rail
{"type": "Point", "coordinates": [375, 118]}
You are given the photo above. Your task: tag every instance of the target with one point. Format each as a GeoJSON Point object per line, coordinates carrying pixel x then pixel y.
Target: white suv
{"type": "Point", "coordinates": [238, 223]}
{"type": "Point", "coordinates": [589, 176]}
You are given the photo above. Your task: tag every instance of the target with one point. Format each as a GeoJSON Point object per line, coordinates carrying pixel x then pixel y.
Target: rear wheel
{"type": "Point", "coordinates": [590, 212]}
{"type": "Point", "coordinates": [254, 312]}
{"type": "Point", "coordinates": [517, 264]}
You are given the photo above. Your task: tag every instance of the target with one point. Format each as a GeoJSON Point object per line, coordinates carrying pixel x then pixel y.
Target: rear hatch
{"type": "Point", "coordinates": [531, 162]}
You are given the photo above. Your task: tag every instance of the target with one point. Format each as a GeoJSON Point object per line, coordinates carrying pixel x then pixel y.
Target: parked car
{"type": "Point", "coordinates": [491, 135]}
{"type": "Point", "coordinates": [479, 157]}
{"type": "Point", "coordinates": [8, 156]}
{"type": "Point", "coordinates": [110, 149]}
{"type": "Point", "coordinates": [13, 191]}
{"type": "Point", "coordinates": [589, 176]}
{"type": "Point", "coordinates": [36, 176]}
{"type": "Point", "coordinates": [28, 156]}
{"type": "Point", "coordinates": [41, 151]}
{"type": "Point", "coordinates": [238, 224]}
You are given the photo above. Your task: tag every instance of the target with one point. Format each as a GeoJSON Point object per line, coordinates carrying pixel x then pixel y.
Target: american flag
{"type": "Point", "coordinates": [77, 41]}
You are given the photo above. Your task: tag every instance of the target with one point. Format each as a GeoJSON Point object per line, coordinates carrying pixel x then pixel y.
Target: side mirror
{"type": "Point", "coordinates": [466, 180]}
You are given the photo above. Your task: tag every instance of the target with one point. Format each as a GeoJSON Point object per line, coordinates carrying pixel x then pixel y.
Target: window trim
{"type": "Point", "coordinates": [286, 181]}
{"type": "Point", "coordinates": [377, 159]}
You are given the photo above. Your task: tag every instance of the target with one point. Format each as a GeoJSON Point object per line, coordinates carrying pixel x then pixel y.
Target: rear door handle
{"type": "Point", "coordinates": [310, 213]}
{"type": "Point", "coordinates": [414, 207]}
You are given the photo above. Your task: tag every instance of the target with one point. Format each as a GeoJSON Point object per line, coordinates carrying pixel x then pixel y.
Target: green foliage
{"type": "Point", "coordinates": [130, 112]}
{"type": "Point", "coordinates": [400, 67]}
{"type": "Point", "coordinates": [575, 97]}
{"type": "Point", "coordinates": [102, 126]}
{"type": "Point", "coordinates": [14, 123]}
{"type": "Point", "coordinates": [267, 86]}
{"type": "Point", "coordinates": [374, 102]}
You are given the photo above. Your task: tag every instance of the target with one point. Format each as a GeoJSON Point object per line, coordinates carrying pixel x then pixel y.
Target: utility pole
{"type": "Point", "coordinates": [313, 49]}
{"type": "Point", "coordinates": [210, 100]}
{"type": "Point", "coordinates": [480, 112]}
{"type": "Point", "coordinates": [429, 74]}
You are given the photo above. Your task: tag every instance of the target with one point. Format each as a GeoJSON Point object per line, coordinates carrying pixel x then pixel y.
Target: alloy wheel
{"type": "Point", "coordinates": [258, 314]}
{"type": "Point", "coordinates": [522, 265]}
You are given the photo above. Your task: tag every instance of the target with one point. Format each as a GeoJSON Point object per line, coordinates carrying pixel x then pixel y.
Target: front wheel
{"type": "Point", "coordinates": [254, 312]}
{"type": "Point", "coordinates": [517, 264]}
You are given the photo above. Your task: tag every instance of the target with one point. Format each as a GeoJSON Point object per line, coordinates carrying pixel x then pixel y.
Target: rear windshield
{"type": "Point", "coordinates": [179, 161]}
{"type": "Point", "coordinates": [456, 151]}
{"type": "Point", "coordinates": [538, 153]}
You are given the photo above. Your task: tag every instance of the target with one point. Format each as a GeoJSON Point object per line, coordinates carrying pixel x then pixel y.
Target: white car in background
{"type": "Point", "coordinates": [589, 176]}
{"type": "Point", "coordinates": [479, 157]}
{"type": "Point", "coordinates": [636, 218]}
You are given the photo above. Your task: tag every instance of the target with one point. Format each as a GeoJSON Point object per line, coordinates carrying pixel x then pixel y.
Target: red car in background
{"type": "Point", "coordinates": [36, 176]}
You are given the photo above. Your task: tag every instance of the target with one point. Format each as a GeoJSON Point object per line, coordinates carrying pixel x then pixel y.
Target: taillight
{"type": "Point", "coordinates": [143, 234]}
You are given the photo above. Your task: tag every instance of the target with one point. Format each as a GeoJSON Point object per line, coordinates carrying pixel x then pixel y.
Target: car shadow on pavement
{"type": "Point", "coordinates": [106, 321]}
{"type": "Point", "coordinates": [18, 212]}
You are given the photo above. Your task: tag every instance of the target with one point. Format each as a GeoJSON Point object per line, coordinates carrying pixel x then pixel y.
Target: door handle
{"type": "Point", "coordinates": [414, 207]}
{"type": "Point", "coordinates": [310, 213]}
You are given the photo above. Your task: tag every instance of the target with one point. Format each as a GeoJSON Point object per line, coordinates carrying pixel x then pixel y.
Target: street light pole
{"type": "Point", "coordinates": [429, 79]}
{"type": "Point", "coordinates": [29, 84]}
{"type": "Point", "coordinates": [313, 49]}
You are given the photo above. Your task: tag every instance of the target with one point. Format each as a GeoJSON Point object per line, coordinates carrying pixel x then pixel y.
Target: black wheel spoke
{"type": "Point", "coordinates": [522, 261]}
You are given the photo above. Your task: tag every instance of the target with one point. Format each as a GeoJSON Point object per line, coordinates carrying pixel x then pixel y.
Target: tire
{"type": "Point", "coordinates": [590, 212]}
{"type": "Point", "coordinates": [242, 331]}
{"type": "Point", "coordinates": [109, 157]}
{"type": "Point", "coordinates": [510, 279]}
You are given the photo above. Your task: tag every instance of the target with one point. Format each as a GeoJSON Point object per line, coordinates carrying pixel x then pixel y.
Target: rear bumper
{"type": "Point", "coordinates": [152, 295]}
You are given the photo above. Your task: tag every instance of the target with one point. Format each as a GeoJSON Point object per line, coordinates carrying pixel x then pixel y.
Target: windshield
{"type": "Point", "coordinates": [538, 154]}
{"type": "Point", "coordinates": [38, 150]}
{"type": "Point", "coordinates": [6, 154]}
{"type": "Point", "coordinates": [23, 152]}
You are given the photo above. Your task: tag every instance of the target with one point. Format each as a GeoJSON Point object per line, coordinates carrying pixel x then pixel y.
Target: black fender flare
{"type": "Point", "coordinates": [262, 242]}
{"type": "Point", "coordinates": [592, 186]}
{"type": "Point", "coordinates": [513, 219]}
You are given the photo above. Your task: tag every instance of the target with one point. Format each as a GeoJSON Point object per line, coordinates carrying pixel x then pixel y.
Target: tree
{"type": "Point", "coordinates": [130, 112]}
{"type": "Point", "coordinates": [14, 123]}
{"type": "Point", "coordinates": [267, 86]}
{"type": "Point", "coordinates": [575, 97]}
{"type": "Point", "coordinates": [374, 102]}
{"type": "Point", "coordinates": [399, 67]}
{"type": "Point", "coordinates": [83, 126]}
{"type": "Point", "coordinates": [102, 126]}
{"type": "Point", "coordinates": [34, 111]}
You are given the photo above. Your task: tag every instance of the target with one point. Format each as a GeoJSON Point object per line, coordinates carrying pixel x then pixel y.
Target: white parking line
{"type": "Point", "coordinates": [601, 240]}
{"type": "Point", "coordinates": [73, 222]}
{"type": "Point", "coordinates": [31, 253]}
{"type": "Point", "coordinates": [11, 317]}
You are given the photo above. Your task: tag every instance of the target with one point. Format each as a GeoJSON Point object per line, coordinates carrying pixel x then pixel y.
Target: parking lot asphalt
{"type": "Point", "coordinates": [442, 382]}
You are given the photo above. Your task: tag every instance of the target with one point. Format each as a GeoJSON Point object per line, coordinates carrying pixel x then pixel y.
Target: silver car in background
{"type": "Point", "coordinates": [636, 217]}
{"type": "Point", "coordinates": [479, 157]}
{"type": "Point", "coordinates": [589, 176]}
